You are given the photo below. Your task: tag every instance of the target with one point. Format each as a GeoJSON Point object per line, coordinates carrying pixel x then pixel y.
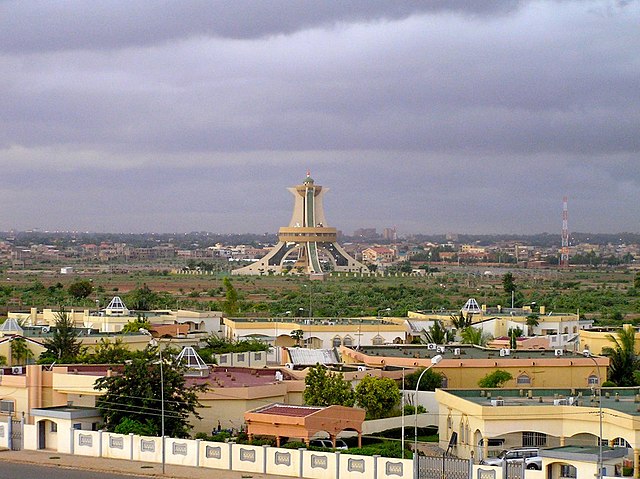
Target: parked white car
{"type": "Point", "coordinates": [530, 456]}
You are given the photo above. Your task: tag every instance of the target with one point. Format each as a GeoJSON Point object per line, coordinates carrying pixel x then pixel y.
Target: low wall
{"type": "Point", "coordinates": [378, 425]}
{"type": "Point", "coordinates": [4, 434]}
{"type": "Point", "coordinates": [228, 456]}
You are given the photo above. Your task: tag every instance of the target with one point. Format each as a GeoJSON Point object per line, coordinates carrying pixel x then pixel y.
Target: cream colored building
{"type": "Point", "coordinates": [597, 338]}
{"type": "Point", "coordinates": [462, 366]}
{"type": "Point", "coordinates": [318, 333]}
{"type": "Point", "coordinates": [485, 421]}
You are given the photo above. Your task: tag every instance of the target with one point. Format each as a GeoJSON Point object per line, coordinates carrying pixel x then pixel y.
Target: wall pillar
{"type": "Point", "coordinates": [485, 447]}
{"type": "Point", "coordinates": [562, 441]}
{"type": "Point", "coordinates": [636, 462]}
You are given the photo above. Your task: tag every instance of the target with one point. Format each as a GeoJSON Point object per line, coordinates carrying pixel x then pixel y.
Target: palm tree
{"type": "Point", "coordinates": [20, 352]}
{"type": "Point", "coordinates": [475, 336]}
{"type": "Point", "coordinates": [437, 334]}
{"type": "Point", "coordinates": [533, 320]}
{"type": "Point", "coordinates": [461, 321]}
{"type": "Point", "coordinates": [622, 357]}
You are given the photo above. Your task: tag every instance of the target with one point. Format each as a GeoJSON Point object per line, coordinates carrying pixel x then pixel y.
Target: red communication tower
{"type": "Point", "coordinates": [564, 251]}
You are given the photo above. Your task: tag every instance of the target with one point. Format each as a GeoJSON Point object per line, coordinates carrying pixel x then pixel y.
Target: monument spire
{"type": "Point", "coordinates": [307, 242]}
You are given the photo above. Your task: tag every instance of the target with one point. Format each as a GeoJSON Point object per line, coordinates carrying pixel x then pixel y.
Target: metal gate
{"type": "Point", "coordinates": [514, 470]}
{"type": "Point", "coordinates": [16, 435]}
{"type": "Point", "coordinates": [443, 467]}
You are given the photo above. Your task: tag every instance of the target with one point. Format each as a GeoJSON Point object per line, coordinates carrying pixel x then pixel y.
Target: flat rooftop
{"type": "Point", "coordinates": [316, 321]}
{"type": "Point", "coordinates": [232, 377]}
{"type": "Point", "coordinates": [422, 351]}
{"type": "Point", "coordinates": [620, 399]}
{"type": "Point", "coordinates": [288, 410]}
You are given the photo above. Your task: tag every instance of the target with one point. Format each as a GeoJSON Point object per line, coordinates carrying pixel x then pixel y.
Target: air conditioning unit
{"type": "Point", "coordinates": [16, 370]}
{"type": "Point", "coordinates": [505, 352]}
{"type": "Point", "coordinates": [559, 352]}
{"type": "Point", "coordinates": [289, 365]}
{"type": "Point", "coordinates": [431, 346]}
{"type": "Point", "coordinates": [440, 349]}
{"type": "Point", "coordinates": [46, 329]}
{"type": "Point", "coordinates": [497, 402]}
{"type": "Point", "coordinates": [456, 351]}
{"type": "Point", "coordinates": [362, 368]}
{"type": "Point", "coordinates": [560, 402]}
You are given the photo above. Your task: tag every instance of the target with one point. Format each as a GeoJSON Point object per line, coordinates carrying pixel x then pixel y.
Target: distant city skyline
{"type": "Point", "coordinates": [433, 117]}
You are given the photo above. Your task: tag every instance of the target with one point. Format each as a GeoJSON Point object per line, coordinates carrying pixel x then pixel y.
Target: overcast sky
{"type": "Point", "coordinates": [434, 116]}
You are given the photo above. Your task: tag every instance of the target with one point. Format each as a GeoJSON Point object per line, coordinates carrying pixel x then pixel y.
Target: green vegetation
{"type": "Point", "coordinates": [377, 396]}
{"type": "Point", "coordinates": [20, 352]}
{"type": "Point", "coordinates": [63, 346]}
{"type": "Point", "coordinates": [430, 381]}
{"type": "Point", "coordinates": [216, 345]}
{"type": "Point", "coordinates": [131, 400]}
{"type": "Point", "coordinates": [325, 388]}
{"type": "Point", "coordinates": [80, 289]}
{"type": "Point", "coordinates": [624, 364]}
{"type": "Point", "coordinates": [495, 379]}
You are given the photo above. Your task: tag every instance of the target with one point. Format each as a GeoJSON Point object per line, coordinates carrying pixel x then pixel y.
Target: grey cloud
{"type": "Point", "coordinates": [45, 25]}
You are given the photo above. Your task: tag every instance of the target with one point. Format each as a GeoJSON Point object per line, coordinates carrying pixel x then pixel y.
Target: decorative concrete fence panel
{"type": "Point", "coordinates": [147, 449]}
{"type": "Point", "coordinates": [116, 446]}
{"type": "Point", "coordinates": [248, 458]}
{"type": "Point", "coordinates": [86, 443]}
{"type": "Point", "coordinates": [319, 465]}
{"type": "Point", "coordinates": [390, 468]}
{"type": "Point", "coordinates": [183, 452]}
{"type": "Point", "coordinates": [283, 462]}
{"type": "Point", "coordinates": [488, 472]}
{"type": "Point", "coordinates": [356, 467]}
{"type": "Point", "coordinates": [216, 455]}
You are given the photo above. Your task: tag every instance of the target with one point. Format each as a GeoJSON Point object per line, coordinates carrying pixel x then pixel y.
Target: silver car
{"type": "Point", "coordinates": [529, 455]}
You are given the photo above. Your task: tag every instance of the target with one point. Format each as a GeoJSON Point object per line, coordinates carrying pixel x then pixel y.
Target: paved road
{"type": "Point", "coordinates": [10, 470]}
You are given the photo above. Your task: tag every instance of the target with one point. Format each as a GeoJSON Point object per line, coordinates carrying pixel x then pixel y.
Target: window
{"type": "Point", "coordinates": [6, 407]}
{"type": "Point", "coordinates": [523, 379]}
{"type": "Point", "coordinates": [337, 342]}
{"type": "Point", "coordinates": [592, 380]}
{"type": "Point", "coordinates": [377, 340]}
{"type": "Point", "coordinates": [77, 426]}
{"type": "Point", "coordinates": [445, 381]}
{"type": "Point", "coordinates": [621, 442]}
{"type": "Point", "coordinates": [569, 471]}
{"type": "Point", "coordinates": [534, 439]}
{"type": "Point", "coordinates": [347, 341]}
{"type": "Point", "coordinates": [54, 427]}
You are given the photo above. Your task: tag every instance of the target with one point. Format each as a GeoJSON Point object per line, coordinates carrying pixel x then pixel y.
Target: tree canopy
{"type": "Point", "coordinates": [80, 289]}
{"type": "Point", "coordinates": [622, 357]}
{"type": "Point", "coordinates": [325, 388]}
{"type": "Point", "coordinates": [378, 396]}
{"type": "Point", "coordinates": [131, 400]}
{"type": "Point", "coordinates": [495, 379]}
{"type": "Point", "coordinates": [63, 346]}
{"type": "Point", "coordinates": [429, 382]}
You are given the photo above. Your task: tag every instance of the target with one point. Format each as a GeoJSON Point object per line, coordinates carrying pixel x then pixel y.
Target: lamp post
{"type": "Point", "coordinates": [434, 360]}
{"type": "Point", "coordinates": [587, 354]}
{"type": "Point", "coordinates": [154, 343]}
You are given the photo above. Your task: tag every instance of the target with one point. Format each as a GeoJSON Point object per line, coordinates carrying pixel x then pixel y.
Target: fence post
{"type": "Point", "coordinates": [230, 456]}
{"type": "Point", "coordinates": [302, 449]}
{"type": "Point", "coordinates": [375, 465]}
{"type": "Point", "coordinates": [72, 442]}
{"type": "Point", "coordinates": [470, 468]}
{"type": "Point", "coordinates": [337, 464]}
{"type": "Point", "coordinates": [264, 458]}
{"type": "Point", "coordinates": [100, 443]}
{"type": "Point", "coordinates": [10, 433]}
{"type": "Point", "coordinates": [131, 446]}
{"type": "Point", "coordinates": [198, 441]}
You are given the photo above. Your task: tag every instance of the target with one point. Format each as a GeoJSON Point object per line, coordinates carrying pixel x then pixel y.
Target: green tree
{"type": "Point", "coordinates": [622, 357]}
{"type": "Point", "coordinates": [107, 352]}
{"type": "Point", "coordinates": [230, 306]}
{"type": "Point", "coordinates": [3, 360]}
{"type": "Point", "coordinates": [135, 325]}
{"type": "Point", "coordinates": [429, 382]}
{"type": "Point", "coordinates": [297, 335]}
{"type": "Point", "coordinates": [63, 346]}
{"type": "Point", "coordinates": [495, 379]}
{"type": "Point", "coordinates": [533, 320]}
{"type": "Point", "coordinates": [461, 321]}
{"type": "Point", "coordinates": [636, 281]}
{"type": "Point", "coordinates": [80, 289]}
{"type": "Point", "coordinates": [508, 283]}
{"type": "Point", "coordinates": [474, 336]}
{"type": "Point", "coordinates": [20, 352]}
{"type": "Point", "coordinates": [134, 395]}
{"type": "Point", "coordinates": [325, 388]}
{"type": "Point", "coordinates": [437, 334]}
{"type": "Point", "coordinates": [142, 298]}
{"type": "Point", "coordinates": [377, 396]}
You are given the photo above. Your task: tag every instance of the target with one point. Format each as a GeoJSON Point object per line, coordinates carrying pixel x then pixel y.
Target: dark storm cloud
{"type": "Point", "coordinates": [433, 116]}
{"type": "Point", "coordinates": [35, 26]}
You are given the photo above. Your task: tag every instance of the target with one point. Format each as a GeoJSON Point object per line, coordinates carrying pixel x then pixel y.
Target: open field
{"type": "Point", "coordinates": [604, 294]}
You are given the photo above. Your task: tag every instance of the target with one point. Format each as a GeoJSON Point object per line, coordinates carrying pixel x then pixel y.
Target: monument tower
{"type": "Point", "coordinates": [307, 239]}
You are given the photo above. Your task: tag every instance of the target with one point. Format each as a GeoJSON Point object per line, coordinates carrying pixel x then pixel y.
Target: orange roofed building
{"type": "Point", "coordinates": [284, 420]}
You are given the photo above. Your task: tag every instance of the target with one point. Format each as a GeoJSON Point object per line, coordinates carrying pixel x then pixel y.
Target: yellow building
{"type": "Point", "coordinates": [463, 366]}
{"type": "Point", "coordinates": [484, 421]}
{"type": "Point", "coordinates": [597, 338]}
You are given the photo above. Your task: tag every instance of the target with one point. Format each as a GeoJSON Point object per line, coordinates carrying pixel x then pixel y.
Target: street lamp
{"type": "Point", "coordinates": [382, 311]}
{"type": "Point", "coordinates": [434, 360]}
{"type": "Point", "coordinates": [154, 343]}
{"type": "Point", "coordinates": [587, 354]}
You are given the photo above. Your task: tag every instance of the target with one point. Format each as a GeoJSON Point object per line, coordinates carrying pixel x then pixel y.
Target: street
{"type": "Point", "coordinates": [10, 470]}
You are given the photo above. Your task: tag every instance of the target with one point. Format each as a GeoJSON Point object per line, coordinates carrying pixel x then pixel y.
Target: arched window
{"type": "Point", "coordinates": [523, 380]}
{"type": "Point", "coordinates": [337, 342]}
{"type": "Point", "coordinates": [347, 341]}
{"type": "Point", "coordinates": [593, 380]}
{"type": "Point", "coordinates": [377, 340]}
{"type": "Point", "coordinates": [621, 442]}
{"type": "Point", "coordinates": [445, 381]}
